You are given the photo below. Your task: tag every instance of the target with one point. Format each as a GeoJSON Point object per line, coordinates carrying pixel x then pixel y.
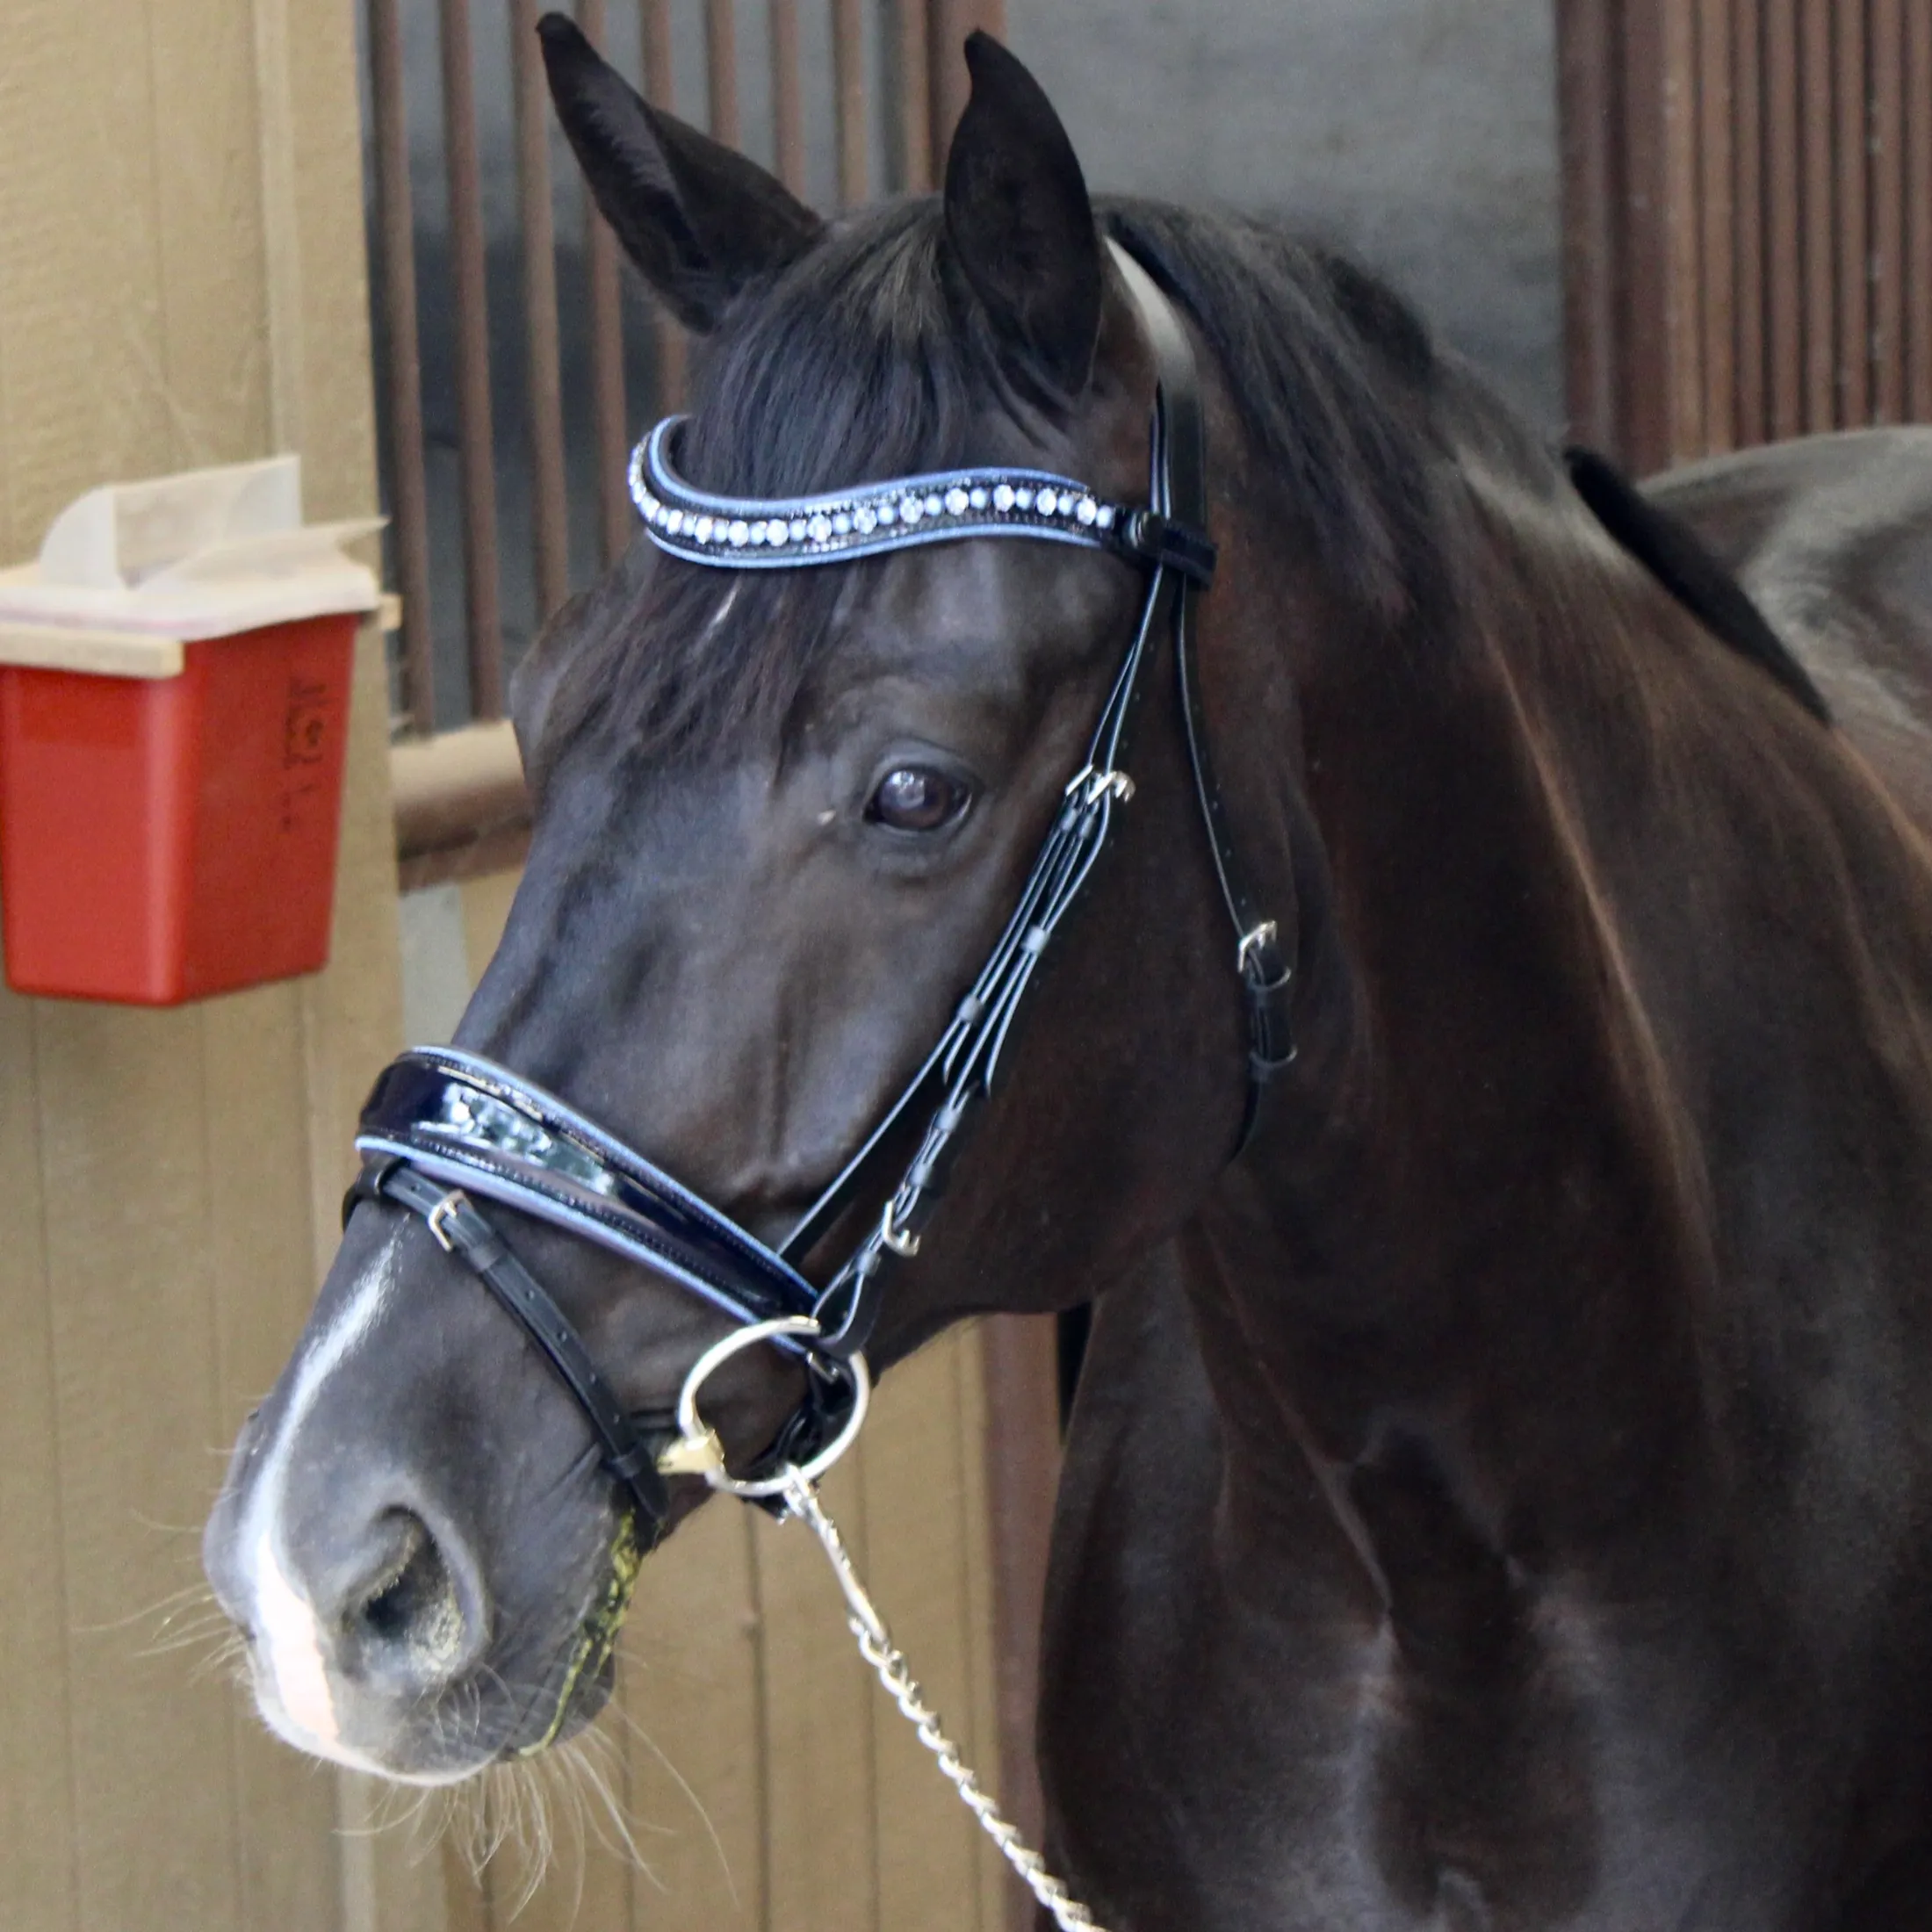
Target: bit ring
{"type": "Point", "coordinates": [694, 1431]}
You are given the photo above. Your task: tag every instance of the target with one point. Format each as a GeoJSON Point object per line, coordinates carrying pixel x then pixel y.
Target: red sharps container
{"type": "Point", "coordinates": [174, 707]}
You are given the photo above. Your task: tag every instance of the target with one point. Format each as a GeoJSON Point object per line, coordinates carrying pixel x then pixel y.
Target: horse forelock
{"type": "Point", "coordinates": [869, 358]}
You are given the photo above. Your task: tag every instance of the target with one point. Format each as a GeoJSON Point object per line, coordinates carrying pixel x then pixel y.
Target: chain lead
{"type": "Point", "coordinates": [877, 1647]}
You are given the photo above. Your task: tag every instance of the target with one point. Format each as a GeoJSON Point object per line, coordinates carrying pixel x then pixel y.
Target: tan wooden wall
{"type": "Point", "coordinates": [741, 1697]}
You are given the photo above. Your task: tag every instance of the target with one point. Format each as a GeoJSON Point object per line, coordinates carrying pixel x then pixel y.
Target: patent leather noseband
{"type": "Point", "coordinates": [442, 1128]}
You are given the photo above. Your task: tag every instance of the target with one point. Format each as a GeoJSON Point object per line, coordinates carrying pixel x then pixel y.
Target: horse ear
{"type": "Point", "coordinates": [1019, 221]}
{"type": "Point", "coordinates": [700, 220]}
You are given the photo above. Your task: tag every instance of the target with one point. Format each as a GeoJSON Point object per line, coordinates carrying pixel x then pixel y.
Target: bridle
{"type": "Point", "coordinates": [444, 1126]}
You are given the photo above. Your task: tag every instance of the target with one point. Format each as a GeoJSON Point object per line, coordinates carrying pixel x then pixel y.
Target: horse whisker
{"type": "Point", "coordinates": [193, 1595]}
{"type": "Point", "coordinates": [677, 1778]}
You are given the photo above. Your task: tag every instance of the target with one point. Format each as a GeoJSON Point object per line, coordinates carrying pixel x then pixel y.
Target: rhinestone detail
{"type": "Point", "coordinates": [746, 532]}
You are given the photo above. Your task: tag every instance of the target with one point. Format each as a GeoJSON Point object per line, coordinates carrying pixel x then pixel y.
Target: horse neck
{"type": "Point", "coordinates": [1484, 1213]}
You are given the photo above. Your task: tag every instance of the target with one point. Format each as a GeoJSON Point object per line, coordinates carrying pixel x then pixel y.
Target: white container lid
{"type": "Point", "coordinates": [130, 571]}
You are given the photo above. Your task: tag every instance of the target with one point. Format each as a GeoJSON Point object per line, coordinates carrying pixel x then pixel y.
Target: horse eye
{"type": "Point", "coordinates": [916, 798]}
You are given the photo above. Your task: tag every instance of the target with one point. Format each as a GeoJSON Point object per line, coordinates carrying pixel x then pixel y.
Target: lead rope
{"type": "Point", "coordinates": [876, 1646]}
{"type": "Point", "coordinates": [695, 1451]}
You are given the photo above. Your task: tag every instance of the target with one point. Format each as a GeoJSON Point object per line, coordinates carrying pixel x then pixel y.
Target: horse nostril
{"type": "Point", "coordinates": [411, 1614]}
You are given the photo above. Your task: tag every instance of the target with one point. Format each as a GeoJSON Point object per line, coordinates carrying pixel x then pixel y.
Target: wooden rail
{"type": "Point", "coordinates": [461, 807]}
{"type": "Point", "coordinates": [1747, 216]}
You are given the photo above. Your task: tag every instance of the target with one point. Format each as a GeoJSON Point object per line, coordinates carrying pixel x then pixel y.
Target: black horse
{"type": "Point", "coordinates": [1498, 1495]}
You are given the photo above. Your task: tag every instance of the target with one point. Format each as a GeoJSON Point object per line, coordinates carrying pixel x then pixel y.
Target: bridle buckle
{"type": "Point", "coordinates": [899, 1241]}
{"type": "Point", "coordinates": [1252, 943]}
{"type": "Point", "coordinates": [1089, 784]}
{"type": "Point", "coordinates": [452, 1203]}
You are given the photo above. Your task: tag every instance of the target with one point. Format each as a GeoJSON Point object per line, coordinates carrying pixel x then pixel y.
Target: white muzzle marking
{"type": "Point", "coordinates": [291, 1658]}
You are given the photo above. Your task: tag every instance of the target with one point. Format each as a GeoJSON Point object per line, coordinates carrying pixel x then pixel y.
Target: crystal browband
{"type": "Point", "coordinates": [759, 533]}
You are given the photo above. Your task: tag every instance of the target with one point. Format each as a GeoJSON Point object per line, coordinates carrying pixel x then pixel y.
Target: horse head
{"type": "Point", "coordinates": [781, 818]}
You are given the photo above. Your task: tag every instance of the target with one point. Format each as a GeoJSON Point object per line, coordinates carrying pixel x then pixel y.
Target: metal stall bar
{"type": "Point", "coordinates": [1784, 306]}
{"type": "Point", "coordinates": [402, 370]}
{"type": "Point", "coordinates": [721, 69]}
{"type": "Point", "coordinates": [1851, 215]}
{"type": "Point", "coordinates": [1590, 130]}
{"type": "Point", "coordinates": [549, 514]}
{"type": "Point", "coordinates": [915, 117]}
{"type": "Point", "coordinates": [475, 439]}
{"type": "Point", "coordinates": [848, 98]}
{"type": "Point", "coordinates": [788, 122]}
{"type": "Point", "coordinates": [609, 440]}
{"type": "Point", "coordinates": [1683, 321]}
{"type": "Point", "coordinates": [1719, 294]}
{"type": "Point", "coordinates": [1918, 90]}
{"type": "Point", "coordinates": [1747, 203]}
{"type": "Point", "coordinates": [1816, 175]}
{"type": "Point", "coordinates": [1888, 294]}
{"type": "Point", "coordinates": [660, 89]}
{"type": "Point", "coordinates": [1646, 362]}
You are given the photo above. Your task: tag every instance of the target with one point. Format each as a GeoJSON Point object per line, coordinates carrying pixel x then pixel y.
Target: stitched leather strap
{"type": "Point", "coordinates": [630, 1454]}
{"type": "Point", "coordinates": [470, 1123]}
{"type": "Point", "coordinates": [1264, 953]}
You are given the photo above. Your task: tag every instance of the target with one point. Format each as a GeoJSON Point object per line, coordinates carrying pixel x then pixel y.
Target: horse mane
{"type": "Point", "coordinates": [1674, 554]}
{"type": "Point", "coordinates": [868, 358]}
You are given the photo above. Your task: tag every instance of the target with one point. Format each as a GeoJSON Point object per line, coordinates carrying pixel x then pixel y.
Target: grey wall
{"type": "Point", "coordinates": [1419, 133]}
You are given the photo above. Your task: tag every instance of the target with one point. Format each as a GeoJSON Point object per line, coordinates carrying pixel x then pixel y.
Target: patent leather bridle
{"type": "Point", "coordinates": [443, 1127]}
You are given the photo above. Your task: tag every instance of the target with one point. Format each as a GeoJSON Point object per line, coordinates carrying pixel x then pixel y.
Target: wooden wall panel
{"type": "Point", "coordinates": [36, 1759]}
{"type": "Point", "coordinates": [208, 175]}
{"type": "Point", "coordinates": [917, 1565]}
{"type": "Point", "coordinates": [693, 1654]}
{"type": "Point", "coordinates": [121, 1101]}
{"type": "Point", "coordinates": [997, 1887]}
{"type": "Point", "coordinates": [257, 1162]}
{"type": "Point", "coordinates": [1764, 166]}
{"type": "Point", "coordinates": [180, 282]}
{"type": "Point", "coordinates": [819, 1705]}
